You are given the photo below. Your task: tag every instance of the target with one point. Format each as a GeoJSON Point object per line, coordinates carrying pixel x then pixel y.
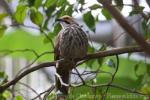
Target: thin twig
{"type": "Point", "coordinates": [30, 89]}
{"type": "Point", "coordinates": [42, 31]}
{"type": "Point", "coordinates": [51, 41]}
{"type": "Point", "coordinates": [123, 23]}
{"type": "Point", "coordinates": [27, 66]}
{"type": "Point", "coordinates": [20, 50]}
{"type": "Point", "coordinates": [112, 79]}
{"type": "Point", "coordinates": [111, 85]}
{"type": "Point", "coordinates": [61, 81]}
{"type": "Point", "coordinates": [23, 74]}
{"type": "Point", "coordinates": [123, 33]}
{"type": "Point", "coordinates": [83, 82]}
{"type": "Point", "coordinates": [88, 57]}
{"type": "Point", "coordinates": [49, 90]}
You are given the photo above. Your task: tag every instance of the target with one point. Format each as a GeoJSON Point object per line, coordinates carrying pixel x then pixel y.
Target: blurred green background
{"type": "Point", "coordinates": [131, 74]}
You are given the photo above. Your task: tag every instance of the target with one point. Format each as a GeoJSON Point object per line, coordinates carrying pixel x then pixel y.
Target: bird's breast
{"type": "Point", "coordinates": [73, 43]}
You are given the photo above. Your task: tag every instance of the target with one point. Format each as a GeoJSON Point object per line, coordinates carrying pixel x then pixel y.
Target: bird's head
{"type": "Point", "coordinates": [66, 20]}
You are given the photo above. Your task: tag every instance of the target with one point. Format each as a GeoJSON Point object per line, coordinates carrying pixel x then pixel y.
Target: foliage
{"type": "Point", "coordinates": [43, 13]}
{"type": "Point", "coordinates": [21, 13]}
{"type": "Point", "coordinates": [91, 24]}
{"type": "Point", "coordinates": [3, 79]}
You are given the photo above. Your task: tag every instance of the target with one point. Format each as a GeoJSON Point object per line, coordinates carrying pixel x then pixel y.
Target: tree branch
{"type": "Point", "coordinates": [88, 57]}
{"type": "Point", "coordinates": [112, 52]}
{"type": "Point", "coordinates": [23, 74]}
{"type": "Point", "coordinates": [112, 79]}
{"type": "Point", "coordinates": [34, 91]}
{"type": "Point", "coordinates": [123, 22]}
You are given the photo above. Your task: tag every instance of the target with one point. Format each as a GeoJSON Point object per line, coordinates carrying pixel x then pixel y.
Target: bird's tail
{"type": "Point", "coordinates": [63, 70]}
{"type": "Point", "coordinates": [62, 81]}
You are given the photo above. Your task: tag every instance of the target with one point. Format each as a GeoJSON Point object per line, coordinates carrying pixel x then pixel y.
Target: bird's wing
{"type": "Point", "coordinates": [56, 49]}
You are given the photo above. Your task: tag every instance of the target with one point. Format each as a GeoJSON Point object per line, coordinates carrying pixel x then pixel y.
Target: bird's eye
{"type": "Point", "coordinates": [67, 22]}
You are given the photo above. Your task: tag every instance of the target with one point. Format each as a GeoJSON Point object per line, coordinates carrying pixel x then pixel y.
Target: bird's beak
{"type": "Point", "coordinates": [60, 20]}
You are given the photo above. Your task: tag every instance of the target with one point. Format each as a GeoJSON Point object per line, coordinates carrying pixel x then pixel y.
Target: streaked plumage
{"type": "Point", "coordinates": [71, 43]}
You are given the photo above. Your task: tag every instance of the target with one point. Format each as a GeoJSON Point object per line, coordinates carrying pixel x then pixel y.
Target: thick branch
{"type": "Point", "coordinates": [123, 22]}
{"type": "Point", "coordinates": [23, 74]}
{"type": "Point", "coordinates": [112, 52]}
{"type": "Point", "coordinates": [88, 57]}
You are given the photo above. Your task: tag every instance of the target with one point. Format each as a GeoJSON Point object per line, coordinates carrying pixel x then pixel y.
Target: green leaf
{"type": "Point", "coordinates": [2, 30]}
{"type": "Point", "coordinates": [136, 67]}
{"type": "Point", "coordinates": [37, 3]}
{"type": "Point", "coordinates": [30, 2]}
{"type": "Point", "coordinates": [36, 16]}
{"type": "Point", "coordinates": [3, 77]}
{"type": "Point", "coordinates": [136, 10]}
{"type": "Point", "coordinates": [7, 94]}
{"type": "Point", "coordinates": [96, 19]}
{"type": "Point", "coordinates": [106, 13]}
{"type": "Point", "coordinates": [140, 79]}
{"type": "Point", "coordinates": [103, 47]}
{"type": "Point", "coordinates": [50, 35]}
{"type": "Point", "coordinates": [21, 13]}
{"type": "Point", "coordinates": [50, 10]}
{"type": "Point", "coordinates": [148, 69]}
{"type": "Point", "coordinates": [81, 1]}
{"type": "Point", "coordinates": [61, 2]}
{"type": "Point", "coordinates": [2, 97]}
{"type": "Point", "coordinates": [3, 15]}
{"type": "Point", "coordinates": [119, 4]}
{"type": "Point", "coordinates": [89, 20]}
{"type": "Point", "coordinates": [65, 10]}
{"type": "Point", "coordinates": [61, 12]}
{"type": "Point", "coordinates": [100, 61]}
{"type": "Point", "coordinates": [111, 63]}
{"type": "Point", "coordinates": [57, 28]}
{"type": "Point", "coordinates": [145, 89]}
{"type": "Point", "coordinates": [51, 96]}
{"type": "Point", "coordinates": [18, 97]}
{"type": "Point", "coordinates": [145, 28]}
{"type": "Point", "coordinates": [95, 6]}
{"type": "Point", "coordinates": [69, 10]}
{"type": "Point", "coordinates": [90, 63]}
{"type": "Point", "coordinates": [91, 49]}
{"type": "Point", "coordinates": [49, 3]}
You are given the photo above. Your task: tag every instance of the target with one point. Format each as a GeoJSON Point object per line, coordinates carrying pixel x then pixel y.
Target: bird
{"type": "Point", "coordinates": [71, 43]}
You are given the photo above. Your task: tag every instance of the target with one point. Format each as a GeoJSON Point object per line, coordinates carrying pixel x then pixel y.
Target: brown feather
{"type": "Point", "coordinates": [71, 43]}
